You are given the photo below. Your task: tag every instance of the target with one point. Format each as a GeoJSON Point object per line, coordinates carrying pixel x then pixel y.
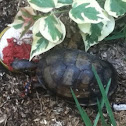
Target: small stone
{"type": "Point", "coordinates": [43, 122]}
{"type": "Point", "coordinates": [3, 118]}
{"type": "Point", "coordinates": [36, 120]}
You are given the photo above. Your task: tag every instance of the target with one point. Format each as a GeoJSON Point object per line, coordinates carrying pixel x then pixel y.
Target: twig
{"type": "Point", "coordinates": [5, 122]}
{"type": "Point", "coordinates": [3, 104]}
{"type": "Point", "coordinates": [18, 5]}
{"type": "Point", "coordinates": [40, 101]}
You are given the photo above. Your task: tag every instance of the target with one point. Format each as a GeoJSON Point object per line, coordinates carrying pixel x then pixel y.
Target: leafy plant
{"type": "Point", "coordinates": [104, 100]}
{"type": "Point", "coordinates": [94, 18]}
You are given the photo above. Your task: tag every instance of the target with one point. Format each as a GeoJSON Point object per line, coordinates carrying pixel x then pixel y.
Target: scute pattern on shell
{"type": "Point", "coordinates": [61, 69]}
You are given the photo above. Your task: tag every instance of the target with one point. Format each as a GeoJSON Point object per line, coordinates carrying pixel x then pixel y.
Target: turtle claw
{"type": "Point", "coordinates": [27, 88]}
{"type": "Point", "coordinates": [30, 86]}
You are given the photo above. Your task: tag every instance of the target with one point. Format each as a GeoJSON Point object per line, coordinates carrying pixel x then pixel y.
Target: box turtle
{"type": "Point", "coordinates": [60, 69]}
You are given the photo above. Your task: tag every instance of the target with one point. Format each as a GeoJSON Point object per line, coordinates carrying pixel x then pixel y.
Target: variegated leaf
{"type": "Point", "coordinates": [24, 20]}
{"type": "Point", "coordinates": [43, 5]}
{"type": "Point", "coordinates": [115, 8]}
{"type": "Point", "coordinates": [96, 32]}
{"type": "Point", "coordinates": [18, 21]}
{"type": "Point", "coordinates": [52, 29]}
{"type": "Point", "coordinates": [63, 3]}
{"type": "Point", "coordinates": [87, 43]}
{"type": "Point", "coordinates": [86, 11]}
{"type": "Point", "coordinates": [40, 44]}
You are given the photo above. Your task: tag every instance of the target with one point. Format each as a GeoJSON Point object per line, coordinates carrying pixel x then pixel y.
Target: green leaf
{"type": "Point", "coordinates": [63, 3]}
{"type": "Point", "coordinates": [108, 107]}
{"type": "Point", "coordinates": [17, 26]}
{"type": "Point", "coordinates": [115, 36]}
{"type": "Point", "coordinates": [101, 114]}
{"type": "Point", "coordinates": [43, 5]}
{"type": "Point", "coordinates": [83, 114]}
{"type": "Point", "coordinates": [20, 18]}
{"type": "Point", "coordinates": [82, 10]}
{"type": "Point", "coordinates": [26, 28]}
{"type": "Point", "coordinates": [94, 35]}
{"type": "Point", "coordinates": [51, 23]}
{"type": "Point", "coordinates": [86, 11]}
{"type": "Point", "coordinates": [102, 102]}
{"type": "Point", "coordinates": [89, 34]}
{"type": "Point", "coordinates": [40, 44]}
{"type": "Point", "coordinates": [52, 29]}
{"type": "Point", "coordinates": [38, 34]}
{"type": "Point", "coordinates": [115, 7]}
{"type": "Point", "coordinates": [92, 38]}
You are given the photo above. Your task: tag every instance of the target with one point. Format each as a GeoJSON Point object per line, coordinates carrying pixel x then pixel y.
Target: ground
{"type": "Point", "coordinates": [42, 108]}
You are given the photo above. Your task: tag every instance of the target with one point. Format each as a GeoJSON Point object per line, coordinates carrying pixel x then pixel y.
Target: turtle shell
{"type": "Point", "coordinates": [61, 69]}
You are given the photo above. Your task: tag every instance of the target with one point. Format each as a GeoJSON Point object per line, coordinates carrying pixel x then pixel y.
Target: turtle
{"type": "Point", "coordinates": [62, 69]}
{"type": "Point", "coordinates": [58, 70]}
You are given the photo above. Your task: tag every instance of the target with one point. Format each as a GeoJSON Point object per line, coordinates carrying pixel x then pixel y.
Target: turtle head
{"type": "Point", "coordinates": [23, 65]}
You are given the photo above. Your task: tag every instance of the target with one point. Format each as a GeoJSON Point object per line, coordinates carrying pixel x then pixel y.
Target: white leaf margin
{"type": "Point", "coordinates": [62, 4]}
{"type": "Point", "coordinates": [45, 10]}
{"type": "Point", "coordinates": [108, 27]}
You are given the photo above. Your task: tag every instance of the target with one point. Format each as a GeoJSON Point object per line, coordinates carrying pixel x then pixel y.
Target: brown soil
{"type": "Point", "coordinates": [42, 108]}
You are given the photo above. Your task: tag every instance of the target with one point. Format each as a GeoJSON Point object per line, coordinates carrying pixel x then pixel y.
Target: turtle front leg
{"type": "Point", "coordinates": [32, 84]}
